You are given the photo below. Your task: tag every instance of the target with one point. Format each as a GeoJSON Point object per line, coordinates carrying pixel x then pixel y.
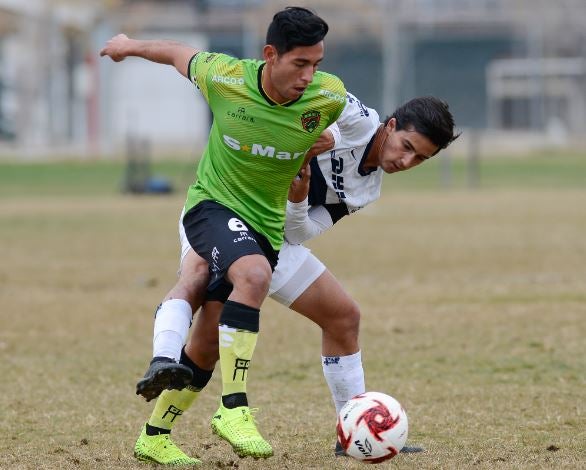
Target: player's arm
{"type": "Point", "coordinates": [303, 222]}
{"type": "Point", "coordinates": [324, 143]}
{"type": "Point", "coordinates": [161, 51]}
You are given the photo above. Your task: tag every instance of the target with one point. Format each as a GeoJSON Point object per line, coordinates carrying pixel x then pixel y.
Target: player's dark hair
{"type": "Point", "coordinates": [429, 116]}
{"type": "Point", "coordinates": [294, 27]}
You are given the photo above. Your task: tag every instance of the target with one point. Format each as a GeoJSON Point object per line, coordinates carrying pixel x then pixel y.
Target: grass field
{"type": "Point", "coordinates": [473, 303]}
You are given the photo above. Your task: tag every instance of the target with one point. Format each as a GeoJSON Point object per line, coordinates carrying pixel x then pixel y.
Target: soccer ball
{"type": "Point", "coordinates": [372, 427]}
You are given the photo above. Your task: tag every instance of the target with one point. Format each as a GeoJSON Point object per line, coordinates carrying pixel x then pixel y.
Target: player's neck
{"type": "Point", "coordinates": [373, 157]}
{"type": "Point", "coordinates": [268, 89]}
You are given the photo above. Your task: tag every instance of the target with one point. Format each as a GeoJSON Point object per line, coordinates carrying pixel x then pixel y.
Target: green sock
{"type": "Point", "coordinates": [236, 350]}
{"type": "Point", "coordinates": [170, 406]}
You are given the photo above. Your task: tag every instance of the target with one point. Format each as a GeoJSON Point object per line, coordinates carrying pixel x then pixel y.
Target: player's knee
{"type": "Point", "coordinates": [194, 268]}
{"type": "Point", "coordinates": [201, 270]}
{"type": "Point", "coordinates": [354, 317]}
{"type": "Point", "coordinates": [347, 322]}
{"type": "Point", "coordinates": [350, 319]}
{"type": "Point", "coordinates": [195, 275]}
{"type": "Point", "coordinates": [256, 277]}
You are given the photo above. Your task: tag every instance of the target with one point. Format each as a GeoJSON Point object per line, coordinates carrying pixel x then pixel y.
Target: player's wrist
{"type": "Point", "coordinates": [297, 199]}
{"type": "Point", "coordinates": [143, 48]}
{"type": "Point", "coordinates": [297, 205]}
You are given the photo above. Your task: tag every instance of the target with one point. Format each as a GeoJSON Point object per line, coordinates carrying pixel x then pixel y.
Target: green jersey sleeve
{"type": "Point", "coordinates": [333, 89]}
{"type": "Point", "coordinates": [205, 68]}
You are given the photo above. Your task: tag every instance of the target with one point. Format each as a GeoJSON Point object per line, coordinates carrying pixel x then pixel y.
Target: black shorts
{"type": "Point", "coordinates": [221, 236]}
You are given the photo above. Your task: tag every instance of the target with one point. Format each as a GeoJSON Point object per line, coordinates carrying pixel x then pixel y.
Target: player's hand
{"type": "Point", "coordinates": [323, 143]}
{"type": "Point", "coordinates": [299, 188]}
{"type": "Point", "coordinates": [117, 48]}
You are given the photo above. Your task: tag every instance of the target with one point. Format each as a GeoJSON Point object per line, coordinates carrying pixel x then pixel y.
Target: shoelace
{"type": "Point", "coordinates": [249, 427]}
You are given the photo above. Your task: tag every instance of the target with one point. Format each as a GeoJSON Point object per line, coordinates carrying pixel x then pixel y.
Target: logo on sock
{"type": "Point", "coordinates": [241, 364]}
{"type": "Point", "coordinates": [329, 360]}
{"type": "Point", "coordinates": [173, 410]}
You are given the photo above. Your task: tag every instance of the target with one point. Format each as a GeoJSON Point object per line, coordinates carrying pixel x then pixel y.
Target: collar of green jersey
{"type": "Point", "coordinates": [267, 97]}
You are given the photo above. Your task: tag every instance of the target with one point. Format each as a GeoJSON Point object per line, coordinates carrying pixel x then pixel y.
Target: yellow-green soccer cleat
{"type": "Point", "coordinates": [236, 425]}
{"type": "Point", "coordinates": [162, 450]}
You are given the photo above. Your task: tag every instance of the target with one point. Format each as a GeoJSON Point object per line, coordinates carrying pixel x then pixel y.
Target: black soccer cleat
{"type": "Point", "coordinates": [163, 373]}
{"type": "Point", "coordinates": [340, 452]}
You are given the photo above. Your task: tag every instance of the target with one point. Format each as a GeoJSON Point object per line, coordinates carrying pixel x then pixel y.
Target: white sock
{"type": "Point", "coordinates": [345, 377]}
{"type": "Point", "coordinates": [172, 324]}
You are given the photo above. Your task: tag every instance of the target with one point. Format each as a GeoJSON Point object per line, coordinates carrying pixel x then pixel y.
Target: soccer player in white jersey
{"type": "Point", "coordinates": [344, 177]}
{"type": "Point", "coordinates": [336, 184]}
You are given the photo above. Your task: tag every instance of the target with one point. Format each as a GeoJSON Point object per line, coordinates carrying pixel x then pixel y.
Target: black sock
{"type": "Point", "coordinates": [154, 431]}
{"type": "Point", "coordinates": [240, 316]}
{"type": "Point", "coordinates": [201, 377]}
{"type": "Point", "coordinates": [234, 400]}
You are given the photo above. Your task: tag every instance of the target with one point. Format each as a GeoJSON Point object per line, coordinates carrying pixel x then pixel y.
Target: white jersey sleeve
{"type": "Point", "coordinates": [339, 185]}
{"type": "Point", "coordinates": [303, 222]}
{"type": "Point", "coordinates": [355, 126]}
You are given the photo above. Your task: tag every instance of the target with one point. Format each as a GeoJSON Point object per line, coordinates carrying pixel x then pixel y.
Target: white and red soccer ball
{"type": "Point", "coordinates": [372, 427]}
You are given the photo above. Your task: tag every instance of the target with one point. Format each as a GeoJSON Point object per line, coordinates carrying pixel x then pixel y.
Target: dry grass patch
{"type": "Point", "coordinates": [474, 317]}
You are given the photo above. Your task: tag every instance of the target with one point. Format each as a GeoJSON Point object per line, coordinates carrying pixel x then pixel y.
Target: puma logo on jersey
{"type": "Point", "coordinates": [261, 150]}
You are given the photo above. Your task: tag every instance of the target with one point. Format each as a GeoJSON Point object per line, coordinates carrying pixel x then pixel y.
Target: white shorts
{"type": "Point", "coordinates": [296, 270]}
{"type": "Point", "coordinates": [185, 246]}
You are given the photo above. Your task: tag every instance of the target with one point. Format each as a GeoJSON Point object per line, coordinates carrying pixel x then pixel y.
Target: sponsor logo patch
{"type": "Point", "coordinates": [261, 150]}
{"type": "Point", "coordinates": [331, 360]}
{"type": "Point", "coordinates": [228, 80]}
{"type": "Point", "coordinates": [333, 96]}
{"type": "Point", "coordinates": [310, 120]}
{"type": "Point", "coordinates": [240, 115]}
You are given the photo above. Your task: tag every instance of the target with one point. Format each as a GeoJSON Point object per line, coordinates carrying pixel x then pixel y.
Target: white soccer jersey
{"type": "Point", "coordinates": [339, 185]}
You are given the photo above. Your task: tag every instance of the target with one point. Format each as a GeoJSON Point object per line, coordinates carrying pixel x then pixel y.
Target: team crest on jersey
{"type": "Point", "coordinates": [310, 120]}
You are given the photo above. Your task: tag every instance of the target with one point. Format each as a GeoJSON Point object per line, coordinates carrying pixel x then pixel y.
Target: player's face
{"type": "Point", "coordinates": [404, 149]}
{"type": "Point", "coordinates": [286, 76]}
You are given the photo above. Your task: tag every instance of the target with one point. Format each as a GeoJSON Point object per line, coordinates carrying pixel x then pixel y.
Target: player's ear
{"type": "Point", "coordinates": [269, 54]}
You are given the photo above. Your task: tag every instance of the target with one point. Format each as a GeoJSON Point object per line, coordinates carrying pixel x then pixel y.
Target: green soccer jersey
{"type": "Point", "coordinates": [256, 147]}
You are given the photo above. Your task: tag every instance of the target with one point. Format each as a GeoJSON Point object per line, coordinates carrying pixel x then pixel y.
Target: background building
{"type": "Point", "coordinates": [515, 70]}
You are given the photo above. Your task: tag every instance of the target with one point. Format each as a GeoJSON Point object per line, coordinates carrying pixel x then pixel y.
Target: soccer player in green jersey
{"type": "Point", "coordinates": [267, 114]}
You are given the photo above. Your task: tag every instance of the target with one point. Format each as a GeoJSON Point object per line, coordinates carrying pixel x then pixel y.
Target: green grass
{"type": "Point", "coordinates": [82, 178]}
{"type": "Point", "coordinates": [93, 178]}
{"type": "Point", "coordinates": [537, 171]}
